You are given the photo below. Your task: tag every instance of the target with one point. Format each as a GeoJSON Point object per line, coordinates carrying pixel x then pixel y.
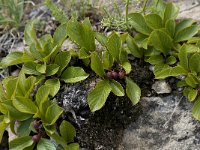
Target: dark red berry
{"type": "Point", "coordinates": [121, 74]}
{"type": "Point", "coordinates": [114, 74]}
{"type": "Point", "coordinates": [37, 124]}
{"type": "Point", "coordinates": [109, 75]}
{"type": "Point", "coordinates": [36, 137]}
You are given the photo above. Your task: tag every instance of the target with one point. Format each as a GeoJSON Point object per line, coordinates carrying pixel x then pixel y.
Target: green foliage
{"type": "Point", "coordinates": [11, 13]}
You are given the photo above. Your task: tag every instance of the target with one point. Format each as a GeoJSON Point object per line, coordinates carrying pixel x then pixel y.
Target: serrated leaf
{"type": "Point", "coordinates": [161, 41]}
{"type": "Point", "coordinates": [192, 95]}
{"type": "Point", "coordinates": [54, 86]}
{"type": "Point", "coordinates": [52, 69]}
{"type": "Point", "coordinates": [196, 110]}
{"type": "Point", "coordinates": [171, 12]}
{"type": "Point", "coordinates": [45, 144]}
{"type": "Point", "coordinates": [133, 48]}
{"type": "Point", "coordinates": [97, 97]}
{"type": "Point", "coordinates": [184, 24]}
{"type": "Point", "coordinates": [183, 57]}
{"type": "Point", "coordinates": [186, 33]}
{"type": "Point", "coordinates": [171, 71]}
{"type": "Point", "coordinates": [60, 35]}
{"type": "Point", "coordinates": [114, 45]}
{"type": "Point", "coordinates": [194, 62]}
{"type": "Point", "coordinates": [117, 89]}
{"type": "Point", "coordinates": [96, 64]}
{"type": "Point", "coordinates": [53, 113]}
{"type": "Point", "coordinates": [67, 131]}
{"type": "Point", "coordinates": [127, 67]}
{"type": "Point", "coordinates": [73, 75]}
{"type": "Point", "coordinates": [154, 21]}
{"type": "Point", "coordinates": [133, 91]}
{"type": "Point", "coordinates": [139, 23]}
{"type": "Point", "coordinates": [25, 105]}
{"type": "Point", "coordinates": [20, 143]}
{"type": "Point", "coordinates": [62, 59]}
{"type": "Point", "coordinates": [82, 34]}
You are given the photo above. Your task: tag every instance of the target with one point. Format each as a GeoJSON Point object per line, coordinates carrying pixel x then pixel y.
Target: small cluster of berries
{"type": "Point", "coordinates": [36, 125]}
{"type": "Point", "coordinates": [115, 74]}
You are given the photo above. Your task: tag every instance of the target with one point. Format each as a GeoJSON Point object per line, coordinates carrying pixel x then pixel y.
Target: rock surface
{"type": "Point", "coordinates": [165, 124]}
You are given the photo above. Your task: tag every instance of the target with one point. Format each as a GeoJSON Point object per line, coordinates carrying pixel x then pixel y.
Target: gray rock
{"type": "Point", "coordinates": [161, 87]}
{"type": "Point", "coordinates": [166, 124]}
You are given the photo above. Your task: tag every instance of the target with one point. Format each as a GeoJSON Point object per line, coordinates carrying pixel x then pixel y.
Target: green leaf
{"type": "Point", "coordinates": [30, 68]}
{"type": "Point", "coordinates": [107, 60]}
{"type": "Point", "coordinates": [54, 86]}
{"type": "Point", "coordinates": [184, 24]}
{"type": "Point", "coordinates": [194, 62]}
{"type": "Point", "coordinates": [183, 57]}
{"type": "Point", "coordinates": [171, 71]}
{"type": "Point", "coordinates": [196, 110]}
{"type": "Point", "coordinates": [73, 75]}
{"type": "Point", "coordinates": [72, 146]}
{"type": "Point", "coordinates": [10, 87]}
{"type": "Point", "coordinates": [29, 34]}
{"type": "Point", "coordinates": [3, 127]}
{"type": "Point", "coordinates": [97, 97]}
{"type": "Point", "coordinates": [117, 89]}
{"type": "Point", "coordinates": [171, 12]}
{"type": "Point", "coordinates": [13, 58]}
{"type": "Point", "coordinates": [49, 129]}
{"type": "Point", "coordinates": [170, 26]}
{"type": "Point", "coordinates": [127, 67]}
{"type": "Point", "coordinates": [52, 69]}
{"type": "Point", "coordinates": [20, 143]}
{"type": "Point", "coordinates": [53, 113]}
{"type": "Point", "coordinates": [192, 95]}
{"type": "Point", "coordinates": [25, 105]}
{"type": "Point", "coordinates": [41, 68]}
{"type": "Point", "coordinates": [141, 40]}
{"type": "Point", "coordinates": [133, 48]}
{"type": "Point", "coordinates": [155, 59]}
{"type": "Point", "coordinates": [186, 33]}
{"type": "Point", "coordinates": [13, 113]}
{"type": "Point", "coordinates": [62, 59]}
{"type": "Point", "coordinates": [45, 144]}
{"type": "Point", "coordinates": [101, 38]}
{"type": "Point", "coordinates": [133, 91]}
{"type": "Point", "coordinates": [60, 35]}
{"type": "Point", "coordinates": [42, 94]}
{"type": "Point", "coordinates": [24, 127]}
{"type": "Point", "coordinates": [139, 23]}
{"type": "Point", "coordinates": [171, 60]}
{"type": "Point", "coordinates": [59, 140]}
{"type": "Point", "coordinates": [67, 131]}
{"type": "Point", "coordinates": [154, 21]}
{"type": "Point", "coordinates": [96, 64]}
{"type": "Point", "coordinates": [82, 34]}
{"type": "Point", "coordinates": [161, 41]}
{"type": "Point", "coordinates": [191, 80]}
{"type": "Point", "coordinates": [114, 45]}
